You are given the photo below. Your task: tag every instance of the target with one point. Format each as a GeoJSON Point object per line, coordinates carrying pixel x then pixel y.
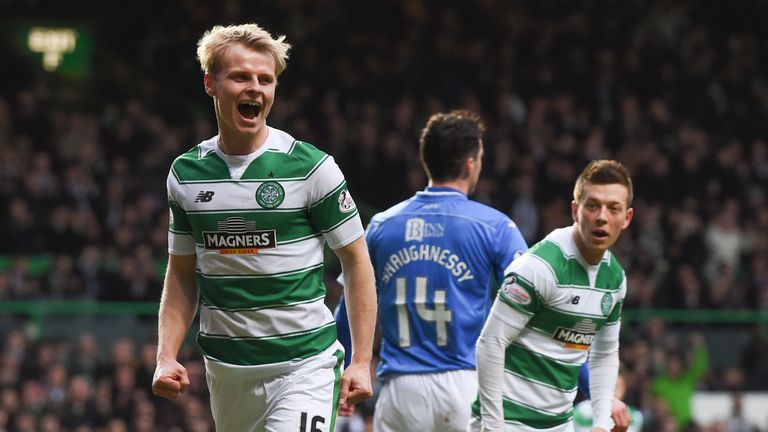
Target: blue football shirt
{"type": "Point", "coordinates": [437, 257]}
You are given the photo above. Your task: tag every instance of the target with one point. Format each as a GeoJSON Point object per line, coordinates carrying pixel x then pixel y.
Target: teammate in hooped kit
{"type": "Point", "coordinates": [560, 303]}
{"type": "Point", "coordinates": [435, 256]}
{"type": "Point", "coordinates": [250, 211]}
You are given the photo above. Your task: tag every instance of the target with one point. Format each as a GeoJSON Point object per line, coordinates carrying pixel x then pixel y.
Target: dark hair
{"type": "Point", "coordinates": [447, 141]}
{"type": "Point", "coordinates": [602, 172]}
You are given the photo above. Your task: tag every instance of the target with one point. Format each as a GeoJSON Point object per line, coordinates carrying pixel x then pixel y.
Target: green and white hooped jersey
{"type": "Point", "coordinates": [569, 303]}
{"type": "Point", "coordinates": [257, 224]}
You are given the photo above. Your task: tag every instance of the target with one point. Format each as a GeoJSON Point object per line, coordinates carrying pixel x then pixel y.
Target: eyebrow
{"type": "Point", "coordinates": [245, 70]}
{"type": "Point", "coordinates": [588, 199]}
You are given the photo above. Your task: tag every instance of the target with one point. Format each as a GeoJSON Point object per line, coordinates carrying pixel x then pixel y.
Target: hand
{"type": "Point", "coordinates": [346, 410]}
{"type": "Point", "coordinates": [170, 379]}
{"type": "Point", "coordinates": [355, 385]}
{"type": "Point", "coordinates": [620, 416]}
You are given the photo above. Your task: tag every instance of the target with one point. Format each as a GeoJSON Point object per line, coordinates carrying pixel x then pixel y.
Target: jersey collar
{"type": "Point", "coordinates": [441, 191]}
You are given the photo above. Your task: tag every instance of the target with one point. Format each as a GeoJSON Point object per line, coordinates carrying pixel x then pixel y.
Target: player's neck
{"type": "Point", "coordinates": [234, 143]}
{"type": "Point", "coordinates": [591, 256]}
{"type": "Point", "coordinates": [459, 185]}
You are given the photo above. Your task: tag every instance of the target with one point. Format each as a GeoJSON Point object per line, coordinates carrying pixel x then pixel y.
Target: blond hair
{"type": "Point", "coordinates": [603, 172]}
{"type": "Point", "coordinates": [215, 41]}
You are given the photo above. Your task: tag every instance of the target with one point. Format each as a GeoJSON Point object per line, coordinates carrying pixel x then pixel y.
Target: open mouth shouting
{"type": "Point", "coordinates": [600, 234]}
{"type": "Point", "coordinates": [249, 109]}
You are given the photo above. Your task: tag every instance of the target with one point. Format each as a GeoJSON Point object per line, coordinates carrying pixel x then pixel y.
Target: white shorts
{"type": "Point", "coordinates": [474, 426]}
{"type": "Point", "coordinates": [426, 402]}
{"type": "Point", "coordinates": [303, 399]}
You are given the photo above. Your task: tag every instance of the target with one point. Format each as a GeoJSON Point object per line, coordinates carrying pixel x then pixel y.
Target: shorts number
{"type": "Point", "coordinates": [313, 427]}
{"type": "Point", "coordinates": [439, 314]}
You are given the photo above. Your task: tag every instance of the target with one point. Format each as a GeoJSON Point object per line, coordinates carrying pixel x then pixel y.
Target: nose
{"type": "Point", "coordinates": [602, 215]}
{"type": "Point", "coordinates": [253, 86]}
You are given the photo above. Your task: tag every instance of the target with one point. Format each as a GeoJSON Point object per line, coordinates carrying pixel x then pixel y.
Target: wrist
{"type": "Point", "coordinates": [164, 356]}
{"type": "Point", "coordinates": [359, 359]}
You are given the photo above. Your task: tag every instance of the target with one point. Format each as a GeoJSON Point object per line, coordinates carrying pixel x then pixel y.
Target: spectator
{"type": "Point", "coordinates": [754, 359]}
{"type": "Point", "coordinates": [736, 422]}
{"type": "Point", "coordinates": [80, 408]}
{"type": "Point", "coordinates": [676, 385]}
{"type": "Point", "coordinates": [725, 240]}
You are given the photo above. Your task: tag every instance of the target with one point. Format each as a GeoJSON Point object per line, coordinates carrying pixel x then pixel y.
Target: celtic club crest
{"type": "Point", "coordinates": [606, 303]}
{"type": "Point", "coordinates": [270, 195]}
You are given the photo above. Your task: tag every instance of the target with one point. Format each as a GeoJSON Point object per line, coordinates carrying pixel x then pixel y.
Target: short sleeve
{"type": "Point", "coordinates": [615, 314]}
{"type": "Point", "coordinates": [509, 244]}
{"type": "Point", "coordinates": [528, 284]}
{"type": "Point", "coordinates": [520, 294]}
{"type": "Point", "coordinates": [332, 210]}
{"type": "Point", "coordinates": [180, 239]}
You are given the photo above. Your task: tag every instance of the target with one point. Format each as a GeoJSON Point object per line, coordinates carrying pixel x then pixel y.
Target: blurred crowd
{"type": "Point", "coordinates": [84, 385]}
{"type": "Point", "coordinates": [678, 91]}
{"type": "Point", "coordinates": [80, 386]}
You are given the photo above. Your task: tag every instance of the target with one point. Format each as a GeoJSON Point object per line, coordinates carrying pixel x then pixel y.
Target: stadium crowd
{"type": "Point", "coordinates": [677, 91]}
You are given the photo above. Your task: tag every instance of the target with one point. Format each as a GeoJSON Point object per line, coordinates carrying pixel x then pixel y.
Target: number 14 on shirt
{"type": "Point", "coordinates": [439, 314]}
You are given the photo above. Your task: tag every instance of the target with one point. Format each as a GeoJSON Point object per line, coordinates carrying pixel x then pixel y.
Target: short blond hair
{"type": "Point", "coordinates": [603, 172]}
{"type": "Point", "coordinates": [215, 41]}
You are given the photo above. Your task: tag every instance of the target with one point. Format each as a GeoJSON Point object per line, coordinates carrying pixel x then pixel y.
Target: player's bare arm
{"type": "Point", "coordinates": [360, 294]}
{"type": "Point", "coordinates": [177, 309]}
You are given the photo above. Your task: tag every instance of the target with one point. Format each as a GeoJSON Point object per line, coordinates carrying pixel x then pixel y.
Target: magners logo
{"type": "Point", "coordinates": [579, 337]}
{"type": "Point", "coordinates": [238, 236]}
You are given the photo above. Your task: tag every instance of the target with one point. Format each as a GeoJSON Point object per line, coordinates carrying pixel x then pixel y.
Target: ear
{"type": "Point", "coordinates": [210, 88]}
{"type": "Point", "coordinates": [575, 211]}
{"type": "Point", "coordinates": [630, 214]}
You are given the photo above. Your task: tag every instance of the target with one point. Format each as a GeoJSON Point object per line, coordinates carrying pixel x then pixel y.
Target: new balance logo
{"type": "Point", "coordinates": [204, 196]}
{"type": "Point", "coordinates": [575, 300]}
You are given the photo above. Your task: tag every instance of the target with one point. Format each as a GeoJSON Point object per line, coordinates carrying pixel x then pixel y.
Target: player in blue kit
{"type": "Point", "coordinates": [436, 256]}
